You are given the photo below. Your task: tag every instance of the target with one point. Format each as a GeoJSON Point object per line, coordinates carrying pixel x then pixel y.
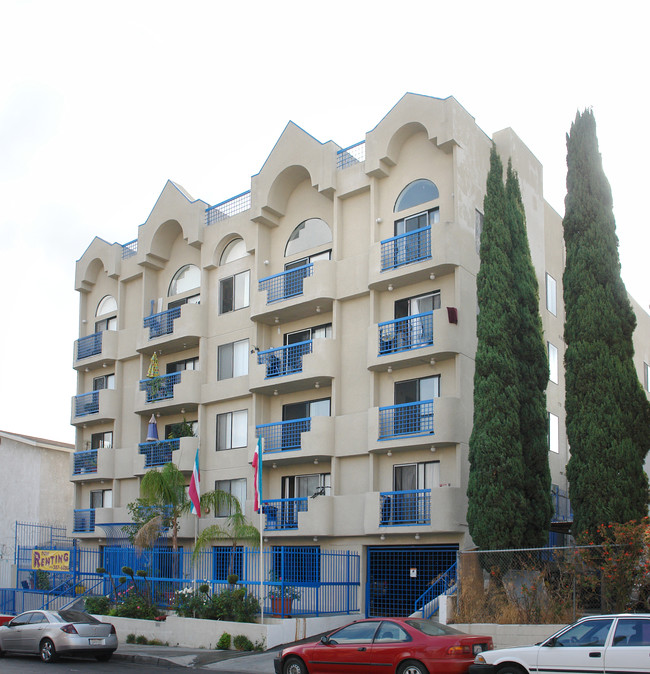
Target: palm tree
{"type": "Point", "coordinates": [237, 529]}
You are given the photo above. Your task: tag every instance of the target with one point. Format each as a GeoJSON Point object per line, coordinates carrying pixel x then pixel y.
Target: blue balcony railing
{"type": "Point", "coordinates": [412, 419]}
{"type": "Point", "coordinates": [443, 585]}
{"type": "Point", "coordinates": [562, 510]}
{"type": "Point", "coordinates": [85, 462]}
{"type": "Point", "coordinates": [283, 435]}
{"type": "Point", "coordinates": [84, 521]}
{"type": "Point", "coordinates": [159, 452]}
{"type": "Point", "coordinates": [86, 403]}
{"type": "Point", "coordinates": [160, 388]}
{"type": "Point", "coordinates": [284, 360]}
{"type": "Point", "coordinates": [162, 323]}
{"type": "Point", "coordinates": [89, 346]}
{"type": "Point", "coordinates": [282, 513]}
{"type": "Point", "coordinates": [397, 508]}
{"type": "Point", "coordinates": [129, 249]}
{"type": "Point", "coordinates": [403, 334]}
{"type": "Point", "coordinates": [285, 284]}
{"type": "Point", "coordinates": [349, 156]}
{"type": "Point", "coordinates": [406, 248]}
{"type": "Point", "coordinates": [228, 208]}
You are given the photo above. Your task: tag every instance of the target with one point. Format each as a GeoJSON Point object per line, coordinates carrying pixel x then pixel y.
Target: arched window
{"type": "Point", "coordinates": [308, 234]}
{"type": "Point", "coordinates": [186, 278]}
{"type": "Point", "coordinates": [235, 250]}
{"type": "Point", "coordinates": [418, 192]}
{"type": "Point", "coordinates": [106, 305]}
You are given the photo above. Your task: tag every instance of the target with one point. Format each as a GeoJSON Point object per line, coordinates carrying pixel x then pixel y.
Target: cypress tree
{"type": "Point", "coordinates": [532, 361]}
{"type": "Point", "coordinates": [608, 415]}
{"type": "Point", "coordinates": [496, 494]}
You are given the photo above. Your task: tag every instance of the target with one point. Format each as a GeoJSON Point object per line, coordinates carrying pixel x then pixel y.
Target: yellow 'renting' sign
{"type": "Point", "coordinates": [51, 560]}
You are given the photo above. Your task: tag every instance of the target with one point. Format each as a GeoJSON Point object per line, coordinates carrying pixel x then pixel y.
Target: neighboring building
{"type": "Point", "coordinates": [331, 310]}
{"type": "Point", "coordinates": [35, 487]}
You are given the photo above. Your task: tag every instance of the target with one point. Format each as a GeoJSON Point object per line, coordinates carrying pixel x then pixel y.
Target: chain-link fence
{"type": "Point", "coordinates": [547, 585]}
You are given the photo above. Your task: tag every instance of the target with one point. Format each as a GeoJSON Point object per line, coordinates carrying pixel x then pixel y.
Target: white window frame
{"type": "Point", "coordinates": [232, 359]}
{"type": "Point", "coordinates": [240, 291]}
{"type": "Point", "coordinates": [239, 492]}
{"type": "Point", "coordinates": [235, 426]}
{"type": "Point", "coordinates": [106, 498]}
{"type": "Point", "coordinates": [553, 366]}
{"type": "Point", "coordinates": [646, 377]}
{"type": "Point", "coordinates": [553, 433]}
{"type": "Point", "coordinates": [551, 294]}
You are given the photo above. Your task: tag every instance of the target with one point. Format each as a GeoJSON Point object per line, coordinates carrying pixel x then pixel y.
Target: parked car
{"type": "Point", "coordinates": [388, 645]}
{"type": "Point", "coordinates": [604, 643]}
{"type": "Point", "coordinates": [53, 633]}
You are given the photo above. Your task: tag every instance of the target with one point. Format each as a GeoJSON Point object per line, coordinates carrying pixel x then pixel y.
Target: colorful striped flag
{"type": "Point", "coordinates": [195, 487]}
{"type": "Point", "coordinates": [257, 467]}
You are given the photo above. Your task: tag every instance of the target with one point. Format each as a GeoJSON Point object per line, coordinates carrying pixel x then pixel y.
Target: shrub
{"type": "Point", "coordinates": [130, 638]}
{"type": "Point", "coordinates": [224, 642]}
{"type": "Point", "coordinates": [97, 605]}
{"type": "Point", "coordinates": [232, 605]}
{"type": "Point", "coordinates": [190, 604]}
{"type": "Point", "coordinates": [141, 639]}
{"type": "Point", "coordinates": [131, 604]}
{"type": "Point", "coordinates": [243, 643]}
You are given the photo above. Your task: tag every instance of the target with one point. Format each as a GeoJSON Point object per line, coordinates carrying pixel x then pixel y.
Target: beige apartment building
{"type": "Point", "coordinates": [331, 311]}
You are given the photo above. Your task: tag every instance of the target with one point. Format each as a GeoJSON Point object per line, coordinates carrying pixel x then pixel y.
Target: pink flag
{"type": "Point", "coordinates": [257, 466]}
{"type": "Point", "coordinates": [195, 487]}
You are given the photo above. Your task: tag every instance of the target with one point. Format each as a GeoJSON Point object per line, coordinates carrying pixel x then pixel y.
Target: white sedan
{"type": "Point", "coordinates": [604, 644]}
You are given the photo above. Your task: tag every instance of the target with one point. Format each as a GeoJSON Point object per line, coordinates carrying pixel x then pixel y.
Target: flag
{"type": "Point", "coordinates": [257, 467]}
{"type": "Point", "coordinates": [195, 487]}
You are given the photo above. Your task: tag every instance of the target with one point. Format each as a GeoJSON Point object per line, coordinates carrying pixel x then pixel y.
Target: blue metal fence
{"type": "Point", "coordinates": [84, 520]}
{"type": "Point", "coordinates": [85, 462]}
{"type": "Point", "coordinates": [318, 582]}
{"type": "Point", "coordinates": [285, 359]}
{"type": "Point", "coordinates": [162, 323]}
{"type": "Point", "coordinates": [412, 419]}
{"type": "Point", "coordinates": [86, 403]}
{"type": "Point", "coordinates": [159, 452]}
{"type": "Point", "coordinates": [283, 435]}
{"type": "Point", "coordinates": [349, 156]}
{"type": "Point", "coordinates": [285, 284]}
{"type": "Point", "coordinates": [406, 248]}
{"type": "Point", "coordinates": [407, 333]}
{"type": "Point", "coordinates": [282, 513]}
{"type": "Point", "coordinates": [89, 346]}
{"type": "Point", "coordinates": [397, 508]}
{"type": "Point", "coordinates": [129, 249]}
{"type": "Point", "coordinates": [160, 388]}
{"type": "Point", "coordinates": [228, 208]}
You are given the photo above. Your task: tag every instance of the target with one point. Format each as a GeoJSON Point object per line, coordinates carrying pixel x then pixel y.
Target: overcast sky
{"type": "Point", "coordinates": [101, 103]}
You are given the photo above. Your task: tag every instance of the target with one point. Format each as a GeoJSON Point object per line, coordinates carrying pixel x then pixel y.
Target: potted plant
{"type": "Point", "coordinates": [282, 597]}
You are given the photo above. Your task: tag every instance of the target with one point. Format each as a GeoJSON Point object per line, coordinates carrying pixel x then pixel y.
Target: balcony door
{"type": "Point", "coordinates": [409, 477]}
{"type": "Point", "coordinates": [303, 410]}
{"type": "Point", "coordinates": [415, 418]}
{"type": "Point", "coordinates": [416, 331]}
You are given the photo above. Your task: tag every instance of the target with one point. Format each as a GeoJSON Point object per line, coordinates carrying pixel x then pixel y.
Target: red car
{"type": "Point", "coordinates": [387, 645]}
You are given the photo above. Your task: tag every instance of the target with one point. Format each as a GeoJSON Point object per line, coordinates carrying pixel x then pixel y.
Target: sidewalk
{"type": "Point", "coordinates": [198, 658]}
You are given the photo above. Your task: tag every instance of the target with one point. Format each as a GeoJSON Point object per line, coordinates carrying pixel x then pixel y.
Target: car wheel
{"type": "Point", "coordinates": [48, 652]}
{"type": "Point", "coordinates": [512, 669]}
{"type": "Point", "coordinates": [294, 665]}
{"type": "Point", "coordinates": [103, 657]}
{"type": "Point", "coordinates": [412, 667]}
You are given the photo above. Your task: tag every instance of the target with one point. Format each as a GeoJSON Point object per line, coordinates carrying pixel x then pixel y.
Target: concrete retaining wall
{"type": "Point", "coordinates": [505, 636]}
{"type": "Point", "coordinates": [195, 633]}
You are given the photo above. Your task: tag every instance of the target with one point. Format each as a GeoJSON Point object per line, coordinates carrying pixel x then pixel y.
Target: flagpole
{"type": "Point", "coordinates": [259, 488]}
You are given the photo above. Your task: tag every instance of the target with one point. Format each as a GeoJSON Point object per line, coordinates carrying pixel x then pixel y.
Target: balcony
{"type": "Point", "coordinates": [175, 329]}
{"type": "Point", "coordinates": [180, 451]}
{"type": "Point", "coordinates": [169, 393]}
{"type": "Point", "coordinates": [93, 464]}
{"type": "Point", "coordinates": [401, 260]}
{"type": "Point", "coordinates": [397, 508]}
{"type": "Point", "coordinates": [295, 293]}
{"type": "Point", "coordinates": [298, 440]}
{"type": "Point", "coordinates": [297, 367]}
{"type": "Point", "coordinates": [83, 521]}
{"type": "Point", "coordinates": [407, 419]}
{"type": "Point", "coordinates": [96, 350]}
{"type": "Point", "coordinates": [95, 407]}
{"type": "Point", "coordinates": [282, 514]}
{"type": "Point", "coordinates": [406, 249]}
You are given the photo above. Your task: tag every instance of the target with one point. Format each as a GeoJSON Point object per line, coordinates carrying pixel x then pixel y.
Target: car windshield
{"type": "Point", "coordinates": [432, 628]}
{"type": "Point", "coordinates": [71, 616]}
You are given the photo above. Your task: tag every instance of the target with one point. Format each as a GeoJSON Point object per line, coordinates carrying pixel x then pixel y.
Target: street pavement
{"type": "Point", "coordinates": [198, 658]}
